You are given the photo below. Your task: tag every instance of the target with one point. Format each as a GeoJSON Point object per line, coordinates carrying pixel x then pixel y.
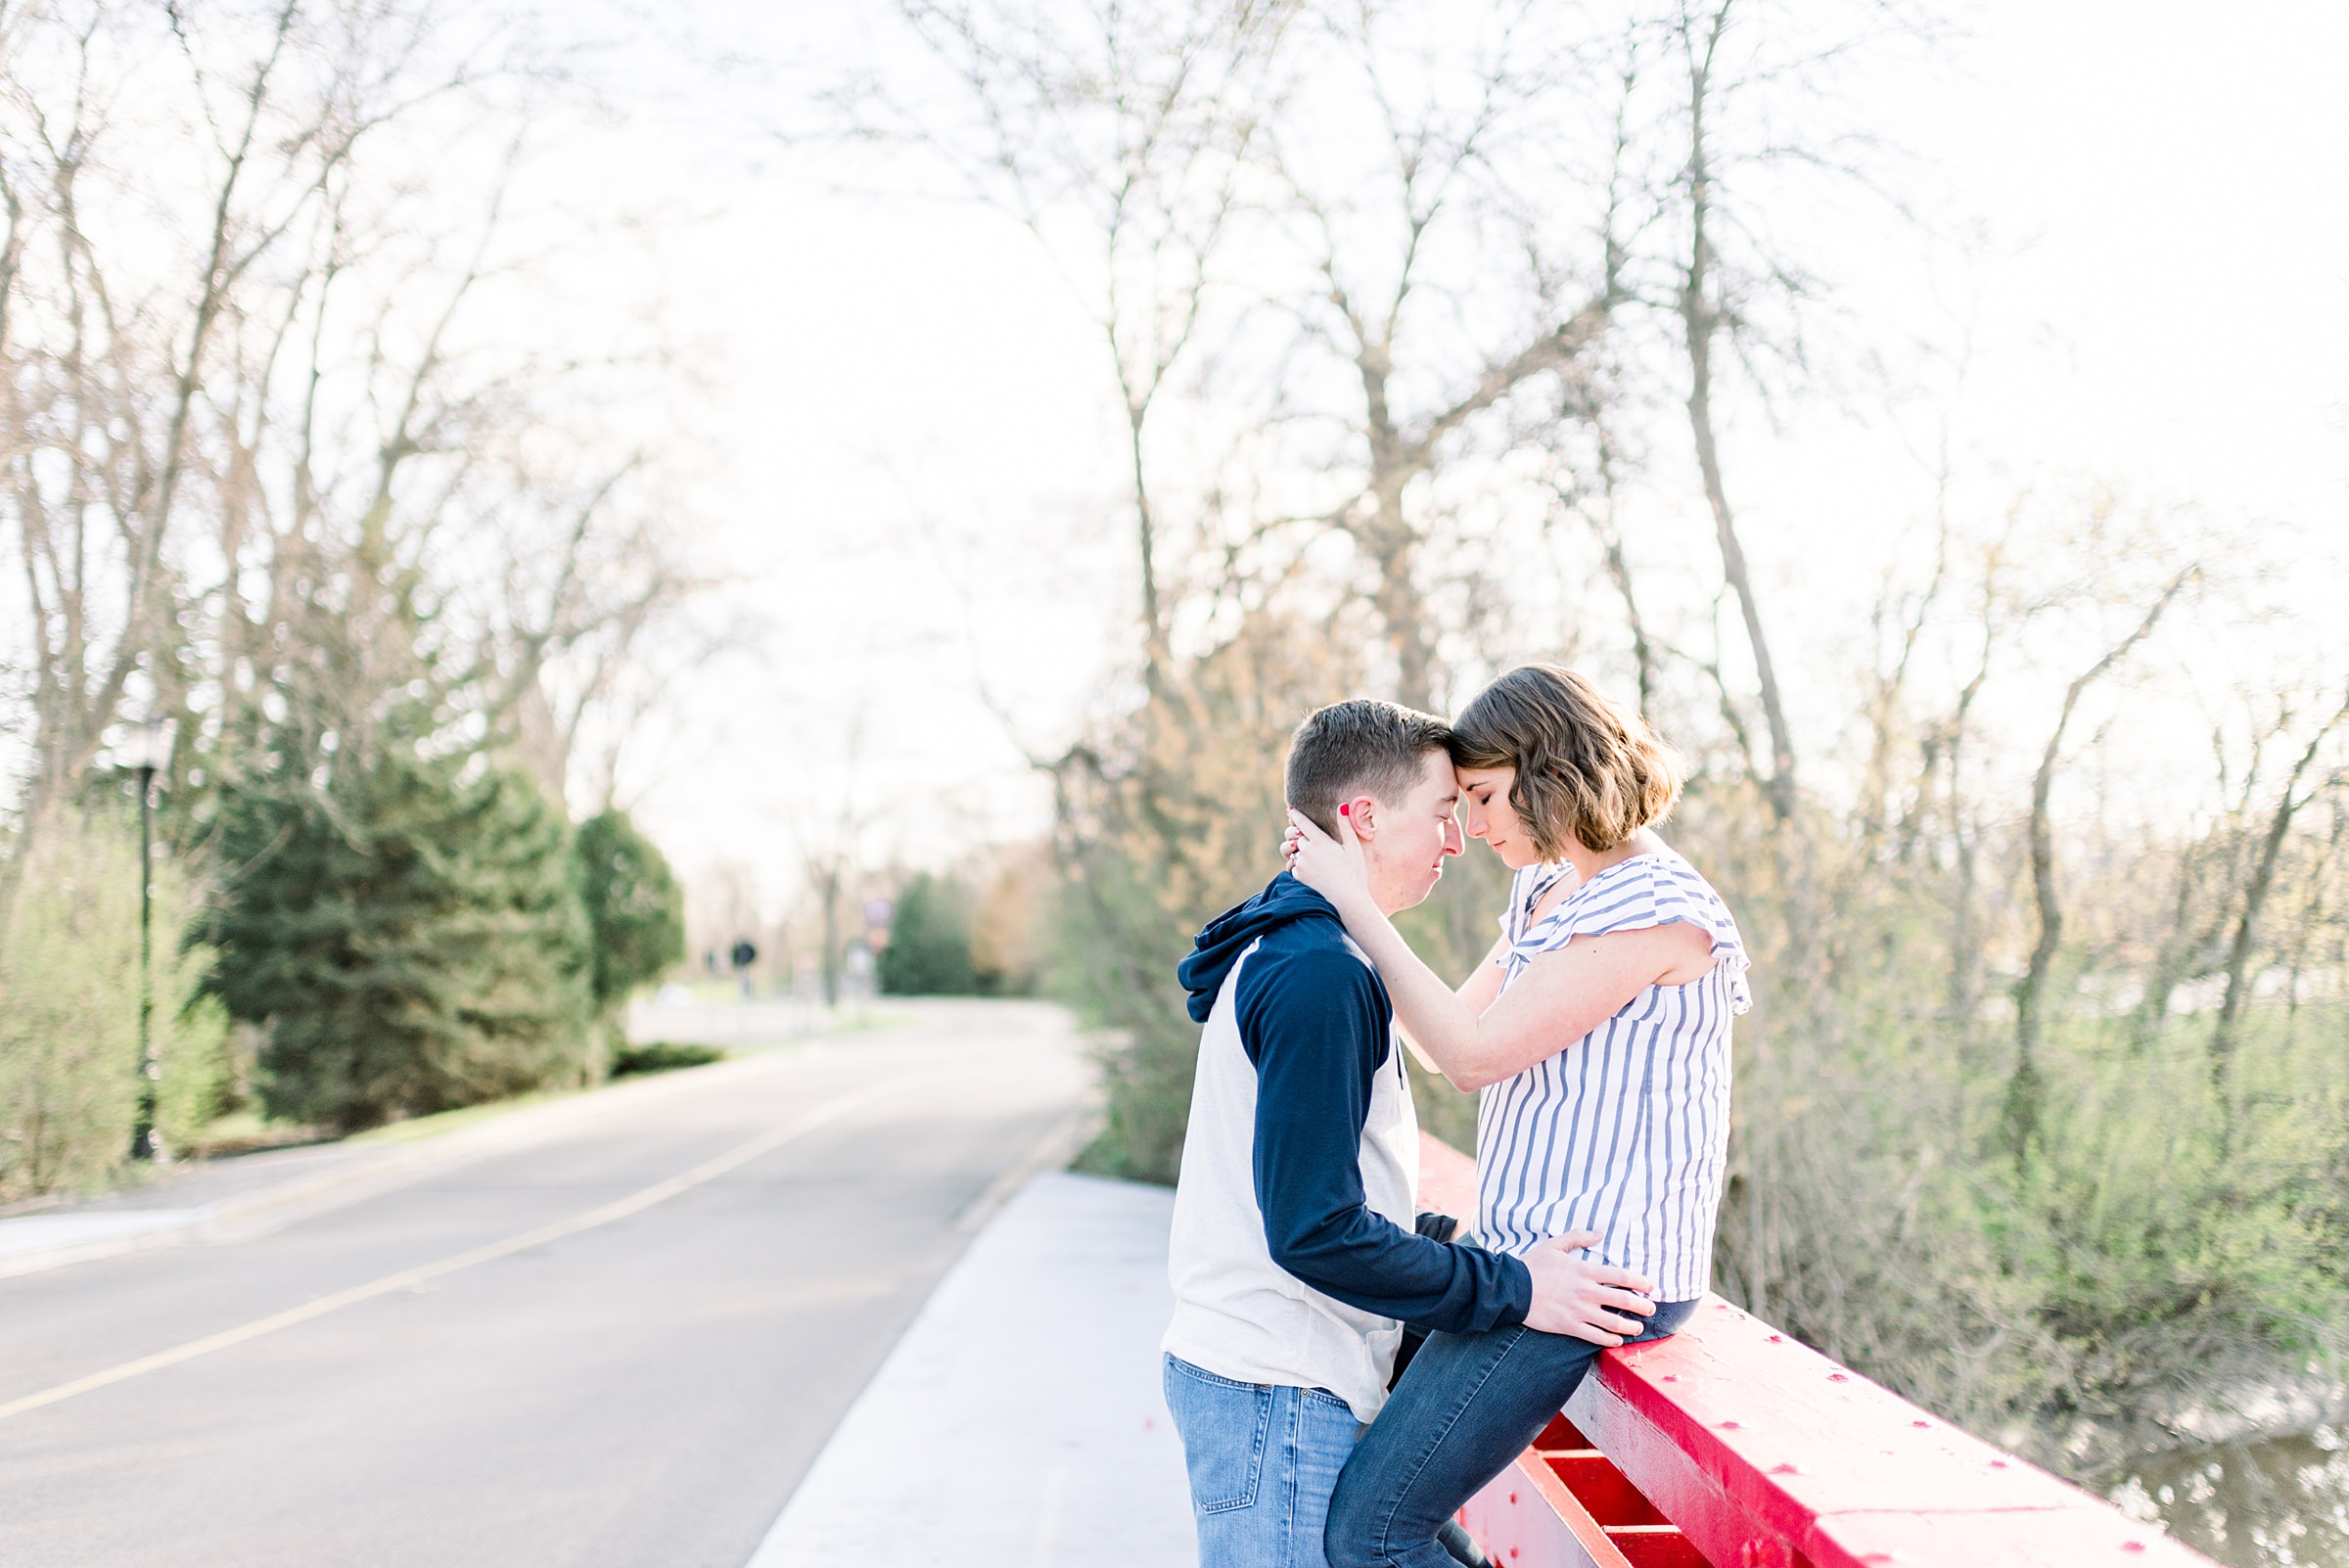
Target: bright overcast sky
{"type": "Point", "coordinates": [2160, 298]}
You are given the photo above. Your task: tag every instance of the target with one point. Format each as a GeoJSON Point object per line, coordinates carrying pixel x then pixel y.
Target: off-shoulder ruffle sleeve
{"type": "Point", "coordinates": [1648, 889]}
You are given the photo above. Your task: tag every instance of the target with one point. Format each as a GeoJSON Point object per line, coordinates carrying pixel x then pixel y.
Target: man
{"type": "Point", "coordinates": [1295, 1259]}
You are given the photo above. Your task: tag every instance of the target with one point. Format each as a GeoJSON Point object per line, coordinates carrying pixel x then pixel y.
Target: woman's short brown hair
{"type": "Point", "coordinates": [1587, 766]}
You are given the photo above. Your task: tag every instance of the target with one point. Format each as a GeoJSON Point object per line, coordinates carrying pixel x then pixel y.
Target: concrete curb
{"type": "Point", "coordinates": [371, 1172]}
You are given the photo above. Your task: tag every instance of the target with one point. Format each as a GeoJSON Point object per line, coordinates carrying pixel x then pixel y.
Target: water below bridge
{"type": "Point", "coordinates": [2283, 1502]}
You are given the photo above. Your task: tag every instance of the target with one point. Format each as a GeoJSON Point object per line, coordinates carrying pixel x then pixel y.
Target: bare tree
{"type": "Point", "coordinates": [2020, 1118]}
{"type": "Point", "coordinates": [2290, 801]}
{"type": "Point", "coordinates": [1602, 517]}
{"type": "Point", "coordinates": [1375, 283]}
{"type": "Point", "coordinates": [244, 419]}
{"type": "Point", "coordinates": [1702, 318]}
{"type": "Point", "coordinates": [101, 425]}
{"type": "Point", "coordinates": [831, 843]}
{"type": "Point", "coordinates": [1128, 128]}
{"type": "Point", "coordinates": [1947, 744]}
{"type": "Point", "coordinates": [1887, 697]}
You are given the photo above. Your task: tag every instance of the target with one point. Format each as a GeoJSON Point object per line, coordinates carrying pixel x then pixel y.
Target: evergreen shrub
{"type": "Point", "coordinates": [636, 913]}
{"type": "Point", "coordinates": [929, 951]}
{"type": "Point", "coordinates": [408, 931]}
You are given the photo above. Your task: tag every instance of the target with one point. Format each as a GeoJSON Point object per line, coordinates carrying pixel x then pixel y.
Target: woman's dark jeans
{"type": "Point", "coordinates": [1467, 1406]}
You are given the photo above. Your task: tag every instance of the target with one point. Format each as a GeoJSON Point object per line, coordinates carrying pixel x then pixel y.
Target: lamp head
{"type": "Point", "coordinates": [147, 744]}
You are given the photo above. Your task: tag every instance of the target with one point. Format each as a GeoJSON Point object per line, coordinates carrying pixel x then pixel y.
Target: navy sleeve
{"type": "Point", "coordinates": [1314, 1023]}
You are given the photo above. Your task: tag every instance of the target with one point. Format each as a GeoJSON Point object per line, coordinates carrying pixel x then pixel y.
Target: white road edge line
{"type": "Point", "coordinates": [619, 1208]}
{"type": "Point", "coordinates": [304, 1197]}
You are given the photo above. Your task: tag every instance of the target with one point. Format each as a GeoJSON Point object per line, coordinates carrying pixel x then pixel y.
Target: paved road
{"type": "Point", "coordinates": [668, 1313]}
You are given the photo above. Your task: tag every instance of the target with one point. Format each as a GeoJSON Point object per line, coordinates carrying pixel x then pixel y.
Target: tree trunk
{"type": "Point", "coordinates": [1619, 573]}
{"type": "Point", "coordinates": [1700, 321]}
{"type": "Point", "coordinates": [1405, 613]}
{"type": "Point", "coordinates": [1155, 649]}
{"type": "Point", "coordinates": [831, 887]}
{"type": "Point", "coordinates": [2223, 1036]}
{"type": "Point", "coordinates": [2019, 1122]}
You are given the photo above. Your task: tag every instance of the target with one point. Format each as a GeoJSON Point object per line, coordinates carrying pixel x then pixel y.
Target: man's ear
{"type": "Point", "coordinates": [1363, 813]}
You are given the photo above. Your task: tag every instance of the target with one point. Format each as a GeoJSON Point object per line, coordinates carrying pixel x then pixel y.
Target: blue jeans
{"type": "Point", "coordinates": [1467, 1406]}
{"type": "Point", "coordinates": [1262, 1458]}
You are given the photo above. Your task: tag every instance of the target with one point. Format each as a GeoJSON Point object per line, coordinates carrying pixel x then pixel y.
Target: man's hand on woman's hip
{"type": "Point", "coordinates": [1582, 1298]}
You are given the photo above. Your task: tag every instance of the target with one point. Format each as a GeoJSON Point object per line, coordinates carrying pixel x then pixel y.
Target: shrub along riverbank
{"type": "Point", "coordinates": [2069, 1234]}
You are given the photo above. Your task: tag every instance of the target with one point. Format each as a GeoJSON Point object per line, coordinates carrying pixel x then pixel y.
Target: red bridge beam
{"type": "Point", "coordinates": [1732, 1445]}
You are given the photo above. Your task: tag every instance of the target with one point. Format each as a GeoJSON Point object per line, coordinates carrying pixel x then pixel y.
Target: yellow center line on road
{"type": "Point", "coordinates": [619, 1208]}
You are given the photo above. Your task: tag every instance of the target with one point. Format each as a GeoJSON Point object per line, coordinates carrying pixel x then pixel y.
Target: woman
{"type": "Point", "coordinates": [1599, 1030]}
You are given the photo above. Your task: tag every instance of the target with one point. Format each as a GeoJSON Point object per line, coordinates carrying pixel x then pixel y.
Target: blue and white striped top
{"type": "Point", "coordinates": [1625, 1131]}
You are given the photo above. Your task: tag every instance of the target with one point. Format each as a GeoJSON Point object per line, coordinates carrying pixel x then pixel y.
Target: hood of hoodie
{"type": "Point", "coordinates": [1219, 947]}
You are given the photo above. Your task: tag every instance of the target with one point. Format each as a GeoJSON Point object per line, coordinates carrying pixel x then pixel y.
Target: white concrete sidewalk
{"type": "Point", "coordinates": [58, 1235]}
{"type": "Point", "coordinates": [1019, 1423]}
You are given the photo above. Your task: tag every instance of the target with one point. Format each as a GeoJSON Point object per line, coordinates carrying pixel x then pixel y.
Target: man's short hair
{"type": "Point", "coordinates": [1358, 747]}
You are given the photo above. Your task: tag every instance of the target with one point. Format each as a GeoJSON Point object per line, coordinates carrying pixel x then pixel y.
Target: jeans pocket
{"type": "Point", "coordinates": [1224, 1426]}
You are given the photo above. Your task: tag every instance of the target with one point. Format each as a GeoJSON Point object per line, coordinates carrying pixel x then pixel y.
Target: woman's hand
{"type": "Point", "coordinates": [1335, 868]}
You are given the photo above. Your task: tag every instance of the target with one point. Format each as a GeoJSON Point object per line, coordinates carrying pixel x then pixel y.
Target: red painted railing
{"type": "Point", "coordinates": [1729, 1445]}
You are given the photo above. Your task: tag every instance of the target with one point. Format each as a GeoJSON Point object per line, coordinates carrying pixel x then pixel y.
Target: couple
{"type": "Point", "coordinates": [1599, 1030]}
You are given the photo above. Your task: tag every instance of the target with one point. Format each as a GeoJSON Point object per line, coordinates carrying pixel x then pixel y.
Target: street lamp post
{"type": "Point", "coordinates": [147, 750]}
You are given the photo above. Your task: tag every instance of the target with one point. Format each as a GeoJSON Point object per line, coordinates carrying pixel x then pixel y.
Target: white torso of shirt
{"type": "Point", "coordinates": [1238, 1313]}
{"type": "Point", "coordinates": [1626, 1131]}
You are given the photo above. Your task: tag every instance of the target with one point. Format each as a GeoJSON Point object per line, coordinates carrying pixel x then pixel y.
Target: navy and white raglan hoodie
{"type": "Point", "coordinates": [1294, 1260]}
